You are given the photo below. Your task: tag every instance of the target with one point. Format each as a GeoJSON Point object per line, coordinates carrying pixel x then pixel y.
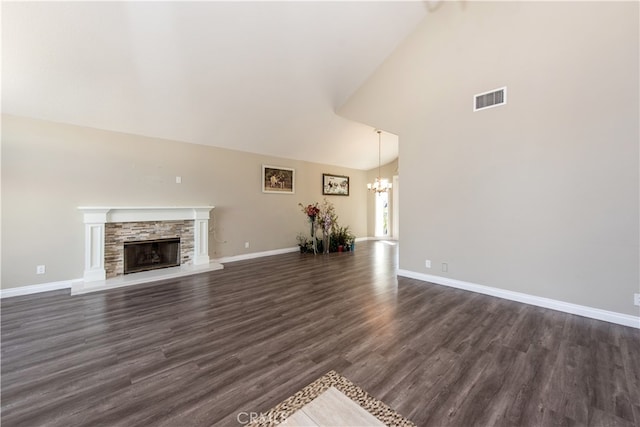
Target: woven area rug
{"type": "Point", "coordinates": [332, 389]}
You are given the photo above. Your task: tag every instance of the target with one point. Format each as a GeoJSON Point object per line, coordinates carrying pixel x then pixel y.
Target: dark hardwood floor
{"type": "Point", "coordinates": [202, 349]}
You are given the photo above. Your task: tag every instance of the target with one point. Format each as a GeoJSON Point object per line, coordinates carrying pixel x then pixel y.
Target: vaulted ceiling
{"type": "Point", "coordinates": [263, 77]}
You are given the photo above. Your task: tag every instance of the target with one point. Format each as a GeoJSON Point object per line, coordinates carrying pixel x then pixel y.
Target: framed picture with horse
{"type": "Point", "coordinates": [276, 179]}
{"type": "Point", "coordinates": [335, 185]}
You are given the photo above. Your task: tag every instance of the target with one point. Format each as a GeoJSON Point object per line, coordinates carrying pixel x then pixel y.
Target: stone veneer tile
{"type": "Point", "coordinates": [116, 234]}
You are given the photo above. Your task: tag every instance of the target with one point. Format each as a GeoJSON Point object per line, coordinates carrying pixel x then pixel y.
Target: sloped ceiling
{"type": "Point", "coordinates": [263, 77]}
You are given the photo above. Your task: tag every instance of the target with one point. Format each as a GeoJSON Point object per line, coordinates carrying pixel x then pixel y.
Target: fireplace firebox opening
{"type": "Point", "coordinates": [151, 254]}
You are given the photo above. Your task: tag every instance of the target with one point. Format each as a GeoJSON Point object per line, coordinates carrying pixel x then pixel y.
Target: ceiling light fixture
{"type": "Point", "coordinates": [380, 185]}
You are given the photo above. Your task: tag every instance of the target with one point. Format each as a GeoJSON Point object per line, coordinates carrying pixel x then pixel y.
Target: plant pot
{"type": "Point", "coordinates": [340, 248]}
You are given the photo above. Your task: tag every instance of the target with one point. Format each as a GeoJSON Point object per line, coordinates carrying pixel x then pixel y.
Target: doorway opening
{"type": "Point", "coordinates": [382, 214]}
{"type": "Point", "coordinates": [395, 209]}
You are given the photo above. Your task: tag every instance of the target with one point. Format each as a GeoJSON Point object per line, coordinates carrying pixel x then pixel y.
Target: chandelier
{"type": "Point", "coordinates": [379, 185]}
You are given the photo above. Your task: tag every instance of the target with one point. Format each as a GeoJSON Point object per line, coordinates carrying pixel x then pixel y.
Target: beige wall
{"type": "Point", "coordinates": [50, 169]}
{"type": "Point", "coordinates": [540, 196]}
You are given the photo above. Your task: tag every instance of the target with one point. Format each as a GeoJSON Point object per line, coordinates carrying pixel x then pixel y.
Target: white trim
{"type": "Point", "coordinates": [36, 289]}
{"type": "Point", "coordinates": [201, 241]}
{"type": "Point", "coordinates": [395, 208]}
{"type": "Point", "coordinates": [105, 214]}
{"type": "Point", "coordinates": [375, 238]}
{"type": "Point", "coordinates": [253, 255]}
{"type": "Point", "coordinates": [83, 287]}
{"type": "Point", "coordinates": [566, 307]}
{"type": "Point", "coordinates": [79, 286]}
{"type": "Point", "coordinates": [94, 251]}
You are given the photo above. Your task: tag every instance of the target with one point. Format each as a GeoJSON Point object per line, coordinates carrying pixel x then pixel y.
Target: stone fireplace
{"type": "Point", "coordinates": [109, 230]}
{"type": "Point", "coordinates": [118, 236]}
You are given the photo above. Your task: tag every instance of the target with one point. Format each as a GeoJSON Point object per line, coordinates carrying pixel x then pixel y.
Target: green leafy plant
{"type": "Point", "coordinates": [342, 236]}
{"type": "Point", "coordinates": [306, 245]}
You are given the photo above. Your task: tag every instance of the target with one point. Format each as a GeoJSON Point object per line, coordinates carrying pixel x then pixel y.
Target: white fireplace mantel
{"type": "Point", "coordinates": [95, 218]}
{"type": "Point", "coordinates": [94, 214]}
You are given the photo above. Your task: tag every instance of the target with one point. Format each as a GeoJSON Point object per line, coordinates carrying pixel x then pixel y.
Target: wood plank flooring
{"type": "Point", "coordinates": [200, 350]}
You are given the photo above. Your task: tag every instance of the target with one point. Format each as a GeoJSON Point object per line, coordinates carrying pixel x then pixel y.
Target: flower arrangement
{"type": "Point", "coordinates": [327, 216]}
{"type": "Point", "coordinates": [324, 216]}
{"type": "Point", "coordinates": [310, 210]}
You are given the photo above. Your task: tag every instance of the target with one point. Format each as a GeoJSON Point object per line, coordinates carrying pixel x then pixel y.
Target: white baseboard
{"type": "Point", "coordinates": [580, 310]}
{"type": "Point", "coordinates": [79, 286]}
{"type": "Point", "coordinates": [35, 289]}
{"type": "Point", "coordinates": [253, 255]}
{"type": "Point", "coordinates": [377, 238]}
{"type": "Point", "coordinates": [83, 287]}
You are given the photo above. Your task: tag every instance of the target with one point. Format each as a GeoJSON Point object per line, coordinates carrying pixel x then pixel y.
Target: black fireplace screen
{"type": "Point", "coordinates": [151, 254]}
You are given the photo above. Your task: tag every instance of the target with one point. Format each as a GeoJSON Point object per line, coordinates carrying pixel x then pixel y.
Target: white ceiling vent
{"type": "Point", "coordinates": [490, 99]}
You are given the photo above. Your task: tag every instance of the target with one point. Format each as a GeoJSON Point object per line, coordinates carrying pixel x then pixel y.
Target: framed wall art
{"type": "Point", "coordinates": [276, 179]}
{"type": "Point", "coordinates": [335, 185]}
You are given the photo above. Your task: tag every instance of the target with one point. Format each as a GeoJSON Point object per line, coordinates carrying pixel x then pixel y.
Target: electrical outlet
{"type": "Point", "coordinates": [427, 263]}
{"type": "Point", "coordinates": [178, 180]}
{"type": "Point", "coordinates": [40, 269]}
{"type": "Point", "coordinates": [246, 245]}
{"type": "Point", "coordinates": [445, 267]}
{"type": "Point", "coordinates": [636, 299]}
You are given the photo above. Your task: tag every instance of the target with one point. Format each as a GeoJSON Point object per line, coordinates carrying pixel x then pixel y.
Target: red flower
{"type": "Point", "coordinates": [311, 210]}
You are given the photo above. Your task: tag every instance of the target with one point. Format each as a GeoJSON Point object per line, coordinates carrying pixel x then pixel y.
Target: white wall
{"type": "Point", "coordinates": [50, 169]}
{"type": "Point", "coordinates": [540, 196]}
